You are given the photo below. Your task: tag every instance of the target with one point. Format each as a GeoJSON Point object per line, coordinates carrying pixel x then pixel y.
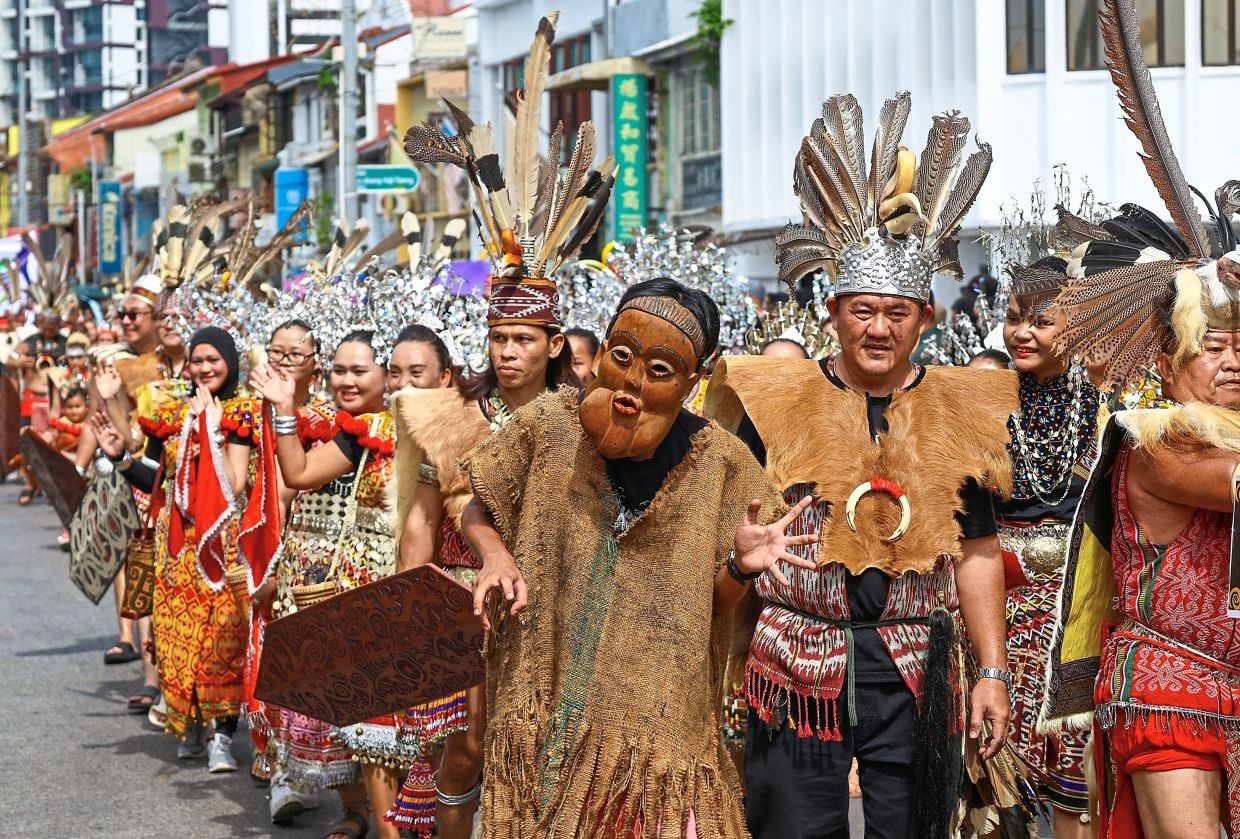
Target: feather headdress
{"type": "Point", "coordinates": [890, 230]}
{"type": "Point", "coordinates": [51, 288]}
{"type": "Point", "coordinates": [531, 219]}
{"type": "Point", "coordinates": [1141, 286]}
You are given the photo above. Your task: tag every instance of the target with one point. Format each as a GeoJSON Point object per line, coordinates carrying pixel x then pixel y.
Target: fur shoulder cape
{"type": "Point", "coordinates": [949, 429]}
{"type": "Point", "coordinates": [438, 427]}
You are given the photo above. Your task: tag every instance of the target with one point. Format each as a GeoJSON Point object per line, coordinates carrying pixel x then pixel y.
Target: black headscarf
{"type": "Point", "coordinates": [223, 344]}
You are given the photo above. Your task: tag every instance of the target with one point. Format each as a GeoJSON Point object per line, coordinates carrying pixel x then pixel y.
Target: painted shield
{"type": "Point", "coordinates": [60, 480]}
{"type": "Point", "coordinates": [10, 429]}
{"type": "Point", "coordinates": [397, 642]}
{"type": "Point", "coordinates": [99, 534]}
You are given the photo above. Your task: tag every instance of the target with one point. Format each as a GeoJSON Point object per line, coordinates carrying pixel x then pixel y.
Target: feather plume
{"type": "Point", "coordinates": [452, 232]}
{"type": "Point", "coordinates": [570, 225]}
{"type": "Point", "coordinates": [891, 122]}
{"type": "Point", "coordinates": [426, 144]}
{"type": "Point", "coordinates": [815, 208]}
{"type": "Point", "coordinates": [589, 220]}
{"type": "Point", "coordinates": [795, 262]}
{"type": "Point", "coordinates": [962, 194]}
{"type": "Point", "coordinates": [525, 144]}
{"type": "Point", "coordinates": [1031, 281]}
{"type": "Point", "coordinates": [37, 253]}
{"type": "Point", "coordinates": [1071, 230]}
{"type": "Point", "coordinates": [833, 164]}
{"type": "Point", "coordinates": [1228, 198]}
{"type": "Point", "coordinates": [1121, 37]}
{"type": "Point", "coordinates": [412, 233]}
{"type": "Point", "coordinates": [818, 165]}
{"type": "Point", "coordinates": [464, 124]}
{"type": "Point", "coordinates": [288, 236]}
{"type": "Point", "coordinates": [574, 179]}
{"type": "Point", "coordinates": [386, 245]}
{"type": "Point", "coordinates": [489, 172]}
{"type": "Point", "coordinates": [1114, 318]}
{"type": "Point", "coordinates": [846, 135]}
{"type": "Point", "coordinates": [936, 170]}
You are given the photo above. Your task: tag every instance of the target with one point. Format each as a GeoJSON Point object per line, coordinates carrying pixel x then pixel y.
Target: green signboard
{"type": "Point", "coordinates": [387, 178]}
{"type": "Point", "coordinates": [628, 97]}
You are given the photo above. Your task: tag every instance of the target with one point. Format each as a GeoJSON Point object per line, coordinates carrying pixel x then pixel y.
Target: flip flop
{"type": "Point", "coordinates": [124, 653]}
{"type": "Point", "coordinates": [141, 702]}
{"type": "Point", "coordinates": [349, 824]}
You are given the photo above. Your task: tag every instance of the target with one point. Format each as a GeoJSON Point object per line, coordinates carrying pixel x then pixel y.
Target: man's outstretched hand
{"type": "Point", "coordinates": [762, 548]}
{"type": "Point", "coordinates": [499, 572]}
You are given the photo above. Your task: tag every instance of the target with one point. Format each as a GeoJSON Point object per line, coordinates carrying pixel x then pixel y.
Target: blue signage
{"type": "Point", "coordinates": [292, 188]}
{"type": "Point", "coordinates": [111, 227]}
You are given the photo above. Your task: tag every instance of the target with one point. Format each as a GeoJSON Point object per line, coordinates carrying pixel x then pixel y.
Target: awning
{"type": "Point", "coordinates": [596, 75]}
{"type": "Point", "coordinates": [314, 158]}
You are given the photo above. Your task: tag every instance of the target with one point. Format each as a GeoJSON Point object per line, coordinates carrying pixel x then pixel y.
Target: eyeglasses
{"type": "Point", "coordinates": [130, 314]}
{"type": "Point", "coordinates": [294, 358]}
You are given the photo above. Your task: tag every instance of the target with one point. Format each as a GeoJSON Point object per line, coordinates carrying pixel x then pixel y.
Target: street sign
{"type": "Point", "coordinates": [292, 188]}
{"type": "Point", "coordinates": [111, 227]}
{"type": "Point", "coordinates": [387, 178]}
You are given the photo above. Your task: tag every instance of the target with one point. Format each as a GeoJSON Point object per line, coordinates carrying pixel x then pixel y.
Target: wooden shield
{"type": "Point", "coordinates": [60, 480]}
{"type": "Point", "coordinates": [10, 425]}
{"type": "Point", "coordinates": [99, 534]}
{"type": "Point", "coordinates": [397, 642]}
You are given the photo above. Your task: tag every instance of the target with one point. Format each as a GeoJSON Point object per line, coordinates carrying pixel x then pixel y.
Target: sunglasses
{"type": "Point", "coordinates": [130, 314]}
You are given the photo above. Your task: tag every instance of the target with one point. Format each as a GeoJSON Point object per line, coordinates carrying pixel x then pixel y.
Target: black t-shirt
{"type": "Point", "coordinates": [636, 482]}
{"type": "Point", "coordinates": [867, 591]}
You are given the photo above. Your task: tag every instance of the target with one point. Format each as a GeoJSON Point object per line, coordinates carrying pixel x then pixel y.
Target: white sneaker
{"type": "Point", "coordinates": [191, 748]}
{"type": "Point", "coordinates": [219, 754]}
{"type": "Point", "coordinates": [288, 803]}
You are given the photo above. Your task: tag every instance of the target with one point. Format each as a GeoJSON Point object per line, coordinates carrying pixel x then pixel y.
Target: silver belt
{"type": "Point", "coordinates": [369, 520]}
{"type": "Point", "coordinates": [1041, 547]}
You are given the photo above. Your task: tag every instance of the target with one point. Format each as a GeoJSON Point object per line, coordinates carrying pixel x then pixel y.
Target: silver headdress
{"type": "Point", "coordinates": [590, 291]}
{"type": "Point", "coordinates": [888, 232]}
{"type": "Point", "coordinates": [804, 325]}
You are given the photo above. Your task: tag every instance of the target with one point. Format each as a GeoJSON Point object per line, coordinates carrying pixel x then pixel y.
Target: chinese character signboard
{"type": "Point", "coordinates": [628, 96]}
{"type": "Point", "coordinates": [111, 219]}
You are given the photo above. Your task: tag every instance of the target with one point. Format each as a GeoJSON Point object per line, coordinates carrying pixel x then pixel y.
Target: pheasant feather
{"type": "Point", "coordinates": [1121, 36]}
{"type": "Point", "coordinates": [524, 186]}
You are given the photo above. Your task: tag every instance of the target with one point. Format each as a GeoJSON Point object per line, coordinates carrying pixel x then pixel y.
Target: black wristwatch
{"type": "Point", "coordinates": [739, 575]}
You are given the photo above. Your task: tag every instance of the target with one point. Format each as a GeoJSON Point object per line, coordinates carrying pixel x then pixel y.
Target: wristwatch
{"type": "Point", "coordinates": [739, 575]}
{"type": "Point", "coordinates": [1004, 676]}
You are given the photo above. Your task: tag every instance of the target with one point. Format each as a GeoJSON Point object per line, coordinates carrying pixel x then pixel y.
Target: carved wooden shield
{"type": "Point", "coordinates": [10, 427]}
{"type": "Point", "coordinates": [397, 642]}
{"type": "Point", "coordinates": [60, 480]}
{"type": "Point", "coordinates": [99, 534]}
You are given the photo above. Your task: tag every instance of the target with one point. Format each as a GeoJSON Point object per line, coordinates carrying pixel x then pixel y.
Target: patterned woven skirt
{"type": "Point", "coordinates": [1031, 626]}
{"type": "Point", "coordinates": [200, 638]}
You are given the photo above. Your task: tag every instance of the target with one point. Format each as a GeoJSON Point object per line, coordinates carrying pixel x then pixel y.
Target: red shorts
{"type": "Point", "coordinates": [1150, 744]}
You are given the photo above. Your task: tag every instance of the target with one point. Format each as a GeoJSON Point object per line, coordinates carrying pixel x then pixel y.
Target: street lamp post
{"type": "Point", "coordinates": [348, 112]}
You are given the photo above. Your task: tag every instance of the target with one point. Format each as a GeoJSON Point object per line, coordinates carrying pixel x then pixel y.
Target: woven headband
{"type": "Point", "coordinates": [529, 301]}
{"type": "Point", "coordinates": [675, 314]}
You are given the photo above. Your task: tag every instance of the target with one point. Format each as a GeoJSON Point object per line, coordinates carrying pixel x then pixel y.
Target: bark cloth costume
{"type": "Point", "coordinates": [1145, 648]}
{"type": "Point", "coordinates": [857, 658]}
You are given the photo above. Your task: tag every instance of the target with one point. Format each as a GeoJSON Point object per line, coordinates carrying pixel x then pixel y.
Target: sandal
{"type": "Point", "coordinates": [158, 715]}
{"type": "Point", "coordinates": [260, 769]}
{"type": "Point", "coordinates": [121, 653]}
{"type": "Point", "coordinates": [142, 701]}
{"type": "Point", "coordinates": [347, 826]}
{"type": "Point", "coordinates": [26, 497]}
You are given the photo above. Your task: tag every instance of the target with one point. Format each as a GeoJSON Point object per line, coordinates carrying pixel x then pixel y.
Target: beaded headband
{"type": "Point", "coordinates": [675, 314]}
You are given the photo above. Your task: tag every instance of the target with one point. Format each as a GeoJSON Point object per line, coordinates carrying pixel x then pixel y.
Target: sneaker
{"type": "Point", "coordinates": [219, 754]}
{"type": "Point", "coordinates": [288, 803]}
{"type": "Point", "coordinates": [191, 748]}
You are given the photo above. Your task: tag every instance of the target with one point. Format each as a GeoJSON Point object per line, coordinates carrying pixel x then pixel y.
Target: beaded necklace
{"type": "Point", "coordinates": [497, 411]}
{"type": "Point", "coordinates": [1057, 422]}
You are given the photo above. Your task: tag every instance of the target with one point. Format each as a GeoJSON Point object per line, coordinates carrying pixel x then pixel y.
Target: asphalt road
{"type": "Point", "coordinates": [73, 762]}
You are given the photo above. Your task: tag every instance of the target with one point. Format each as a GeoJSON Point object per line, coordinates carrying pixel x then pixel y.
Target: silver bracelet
{"type": "Point", "coordinates": [284, 426]}
{"type": "Point", "coordinates": [1004, 676]}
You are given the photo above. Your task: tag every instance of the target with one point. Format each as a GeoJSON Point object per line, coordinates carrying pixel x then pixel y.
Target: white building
{"type": "Point", "coordinates": [1032, 84]}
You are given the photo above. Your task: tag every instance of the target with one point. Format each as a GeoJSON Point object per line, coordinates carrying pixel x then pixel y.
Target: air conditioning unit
{"type": "Point", "coordinates": [202, 146]}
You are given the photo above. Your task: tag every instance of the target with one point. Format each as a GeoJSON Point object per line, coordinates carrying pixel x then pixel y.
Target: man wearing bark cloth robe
{"type": "Point", "coordinates": [620, 529]}
{"type": "Point", "coordinates": [855, 657]}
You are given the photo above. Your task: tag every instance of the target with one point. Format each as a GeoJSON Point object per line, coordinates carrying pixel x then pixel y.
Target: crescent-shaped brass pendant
{"type": "Point", "coordinates": [906, 509]}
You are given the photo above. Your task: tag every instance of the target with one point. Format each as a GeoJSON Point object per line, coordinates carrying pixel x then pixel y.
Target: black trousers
{"type": "Point", "coordinates": [798, 786]}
